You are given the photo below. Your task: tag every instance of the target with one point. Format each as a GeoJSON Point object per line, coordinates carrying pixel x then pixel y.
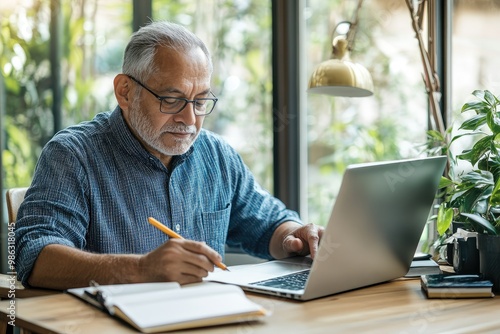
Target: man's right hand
{"type": "Point", "coordinates": [179, 260]}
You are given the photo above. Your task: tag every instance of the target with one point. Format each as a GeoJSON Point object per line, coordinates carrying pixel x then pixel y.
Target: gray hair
{"type": "Point", "coordinates": [138, 59]}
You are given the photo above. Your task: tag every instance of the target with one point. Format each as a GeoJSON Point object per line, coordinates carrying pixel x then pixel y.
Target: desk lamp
{"type": "Point", "coordinates": [339, 76]}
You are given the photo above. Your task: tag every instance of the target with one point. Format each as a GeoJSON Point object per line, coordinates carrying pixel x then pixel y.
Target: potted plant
{"type": "Point", "coordinates": [472, 196]}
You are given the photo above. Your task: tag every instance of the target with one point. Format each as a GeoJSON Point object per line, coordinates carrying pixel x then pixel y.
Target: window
{"type": "Point", "coordinates": [238, 34]}
{"type": "Point", "coordinates": [386, 126]}
{"type": "Point", "coordinates": [475, 49]}
{"type": "Point", "coordinates": [92, 37]}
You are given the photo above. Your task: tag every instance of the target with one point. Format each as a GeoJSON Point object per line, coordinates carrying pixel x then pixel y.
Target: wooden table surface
{"type": "Point", "coordinates": [395, 307]}
{"type": "Point", "coordinates": [9, 286]}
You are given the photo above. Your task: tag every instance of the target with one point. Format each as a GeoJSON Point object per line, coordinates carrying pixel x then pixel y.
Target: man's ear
{"type": "Point", "coordinates": [123, 91]}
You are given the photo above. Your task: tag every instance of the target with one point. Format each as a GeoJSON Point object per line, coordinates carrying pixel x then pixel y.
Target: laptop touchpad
{"type": "Point", "coordinates": [251, 273]}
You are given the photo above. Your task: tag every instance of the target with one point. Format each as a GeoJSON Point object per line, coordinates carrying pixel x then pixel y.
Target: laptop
{"type": "Point", "coordinates": [371, 237]}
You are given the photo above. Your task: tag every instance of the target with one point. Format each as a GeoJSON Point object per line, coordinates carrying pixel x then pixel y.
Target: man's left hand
{"type": "Point", "coordinates": [297, 240]}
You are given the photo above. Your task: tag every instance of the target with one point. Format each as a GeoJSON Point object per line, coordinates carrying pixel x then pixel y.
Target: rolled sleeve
{"type": "Point", "coordinates": [28, 250]}
{"type": "Point", "coordinates": [51, 215]}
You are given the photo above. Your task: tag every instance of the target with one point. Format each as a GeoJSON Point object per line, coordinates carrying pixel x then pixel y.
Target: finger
{"type": "Point", "coordinates": [183, 278]}
{"type": "Point", "coordinates": [304, 240]}
{"type": "Point", "coordinates": [201, 252]}
{"type": "Point", "coordinates": [313, 240]}
{"type": "Point", "coordinates": [313, 244]}
{"type": "Point", "coordinates": [321, 230]}
{"type": "Point", "coordinates": [181, 272]}
{"type": "Point", "coordinates": [194, 270]}
{"type": "Point", "coordinates": [188, 279]}
{"type": "Point", "coordinates": [292, 244]}
{"type": "Point", "coordinates": [181, 262]}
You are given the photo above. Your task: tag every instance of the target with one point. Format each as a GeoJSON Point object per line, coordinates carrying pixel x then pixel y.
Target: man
{"type": "Point", "coordinates": [85, 215]}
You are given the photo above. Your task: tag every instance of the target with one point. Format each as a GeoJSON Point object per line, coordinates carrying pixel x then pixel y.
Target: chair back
{"type": "Point", "coordinates": [14, 196]}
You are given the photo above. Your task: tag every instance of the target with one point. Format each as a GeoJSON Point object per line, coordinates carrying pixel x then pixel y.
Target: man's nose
{"type": "Point", "coordinates": [186, 115]}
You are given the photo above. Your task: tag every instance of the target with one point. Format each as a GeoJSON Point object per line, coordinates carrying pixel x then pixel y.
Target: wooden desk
{"type": "Point", "coordinates": [398, 306]}
{"type": "Point", "coordinates": [10, 286]}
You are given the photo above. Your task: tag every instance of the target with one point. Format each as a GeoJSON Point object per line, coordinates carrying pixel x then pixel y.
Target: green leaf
{"type": "Point", "coordinates": [480, 107]}
{"type": "Point", "coordinates": [444, 219]}
{"type": "Point", "coordinates": [444, 182]}
{"type": "Point", "coordinates": [481, 206]}
{"type": "Point", "coordinates": [480, 220]}
{"type": "Point", "coordinates": [495, 195]}
{"type": "Point", "coordinates": [435, 135]}
{"type": "Point", "coordinates": [490, 98]}
{"type": "Point", "coordinates": [493, 121]}
{"type": "Point", "coordinates": [480, 148]}
{"type": "Point", "coordinates": [476, 200]}
{"type": "Point", "coordinates": [474, 123]}
{"type": "Point", "coordinates": [479, 94]}
{"type": "Point", "coordinates": [492, 165]}
{"type": "Point", "coordinates": [479, 177]}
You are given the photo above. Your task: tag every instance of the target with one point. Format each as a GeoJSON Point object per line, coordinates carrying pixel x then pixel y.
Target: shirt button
{"type": "Point", "coordinates": [177, 227]}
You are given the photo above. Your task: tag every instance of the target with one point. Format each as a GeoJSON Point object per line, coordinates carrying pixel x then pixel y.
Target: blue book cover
{"type": "Point", "coordinates": [456, 286]}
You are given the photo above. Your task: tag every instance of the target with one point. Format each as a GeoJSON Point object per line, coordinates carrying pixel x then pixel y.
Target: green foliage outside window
{"type": "Point", "coordinates": [26, 72]}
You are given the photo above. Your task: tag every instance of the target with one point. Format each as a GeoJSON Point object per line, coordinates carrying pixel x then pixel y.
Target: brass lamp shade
{"type": "Point", "coordinates": [341, 78]}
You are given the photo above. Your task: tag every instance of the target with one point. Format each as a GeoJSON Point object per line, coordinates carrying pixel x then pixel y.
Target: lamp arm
{"type": "Point", "coordinates": [431, 79]}
{"type": "Point", "coordinates": [354, 25]}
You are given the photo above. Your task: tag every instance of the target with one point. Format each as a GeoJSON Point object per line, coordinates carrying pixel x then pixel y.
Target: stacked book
{"type": "Point", "coordinates": [456, 286]}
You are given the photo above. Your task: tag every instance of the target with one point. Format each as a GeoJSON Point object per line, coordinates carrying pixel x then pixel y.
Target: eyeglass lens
{"type": "Point", "coordinates": [175, 105]}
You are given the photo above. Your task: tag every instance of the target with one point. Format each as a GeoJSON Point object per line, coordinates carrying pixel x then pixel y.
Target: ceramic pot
{"type": "Point", "coordinates": [489, 259]}
{"type": "Point", "coordinates": [465, 256]}
{"type": "Point", "coordinates": [462, 254]}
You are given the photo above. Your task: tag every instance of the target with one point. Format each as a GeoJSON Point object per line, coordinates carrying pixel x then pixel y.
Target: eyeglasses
{"type": "Point", "coordinates": [174, 105]}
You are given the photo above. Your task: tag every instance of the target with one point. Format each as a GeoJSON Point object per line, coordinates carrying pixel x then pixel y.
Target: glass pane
{"type": "Point", "coordinates": [388, 125]}
{"type": "Point", "coordinates": [93, 35]}
{"type": "Point", "coordinates": [475, 50]}
{"type": "Point", "coordinates": [238, 33]}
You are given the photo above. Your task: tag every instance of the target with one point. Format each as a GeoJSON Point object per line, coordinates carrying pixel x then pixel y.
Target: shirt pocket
{"type": "Point", "coordinates": [215, 225]}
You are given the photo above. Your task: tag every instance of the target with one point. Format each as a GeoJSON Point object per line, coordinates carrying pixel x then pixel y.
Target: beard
{"type": "Point", "coordinates": [145, 130]}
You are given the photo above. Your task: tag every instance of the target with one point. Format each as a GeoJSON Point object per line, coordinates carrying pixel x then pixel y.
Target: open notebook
{"type": "Point", "coordinates": [162, 307]}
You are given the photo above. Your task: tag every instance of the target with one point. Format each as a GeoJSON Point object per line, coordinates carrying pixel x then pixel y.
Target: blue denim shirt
{"type": "Point", "coordinates": [95, 186]}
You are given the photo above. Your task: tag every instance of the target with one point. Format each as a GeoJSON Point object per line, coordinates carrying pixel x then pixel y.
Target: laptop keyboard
{"type": "Point", "coordinates": [295, 281]}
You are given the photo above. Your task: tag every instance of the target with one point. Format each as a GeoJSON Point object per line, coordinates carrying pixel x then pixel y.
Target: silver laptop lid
{"type": "Point", "coordinates": [375, 225]}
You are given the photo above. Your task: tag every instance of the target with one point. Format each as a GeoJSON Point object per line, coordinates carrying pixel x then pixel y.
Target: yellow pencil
{"type": "Point", "coordinates": [172, 234]}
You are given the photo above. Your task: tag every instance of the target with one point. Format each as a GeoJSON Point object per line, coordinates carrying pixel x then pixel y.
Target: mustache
{"type": "Point", "coordinates": [178, 128]}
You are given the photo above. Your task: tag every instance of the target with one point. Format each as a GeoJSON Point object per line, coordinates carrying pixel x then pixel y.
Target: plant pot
{"type": "Point", "coordinates": [489, 259]}
{"type": "Point", "coordinates": [462, 253]}
{"type": "Point", "coordinates": [465, 256]}
{"type": "Point", "coordinates": [450, 247]}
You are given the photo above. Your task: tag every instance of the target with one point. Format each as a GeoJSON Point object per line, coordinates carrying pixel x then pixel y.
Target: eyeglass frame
{"type": "Point", "coordinates": [186, 101]}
